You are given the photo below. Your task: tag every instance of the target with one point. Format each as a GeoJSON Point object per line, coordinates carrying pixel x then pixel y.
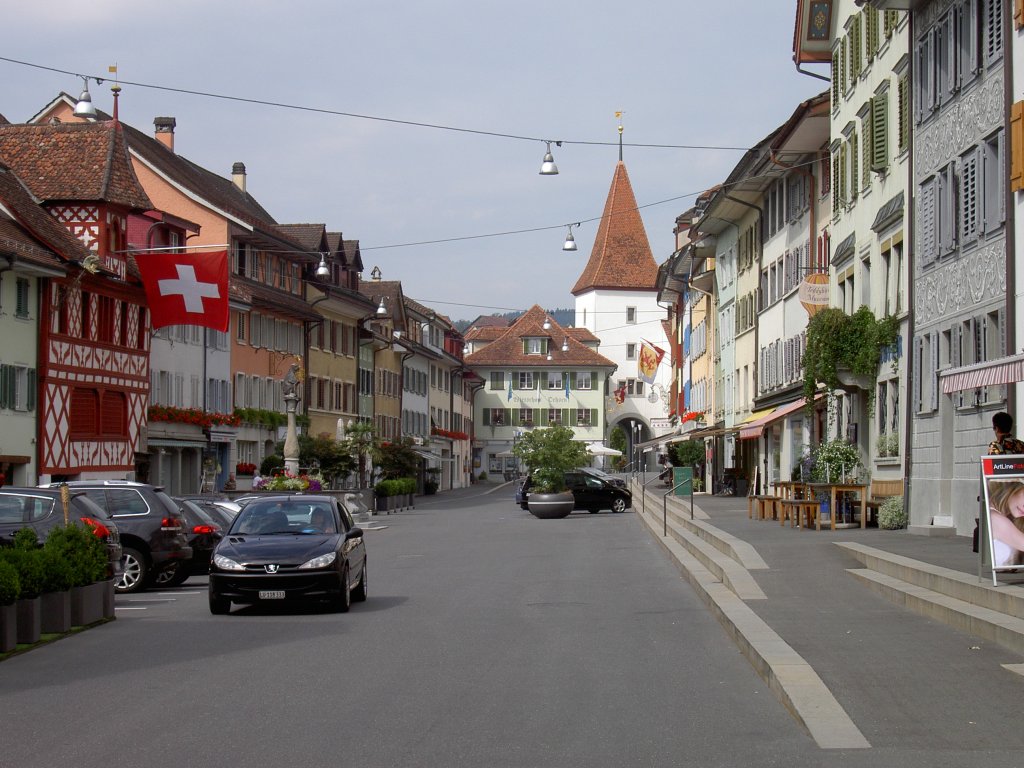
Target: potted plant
{"type": "Point", "coordinates": [10, 588]}
{"type": "Point", "coordinates": [27, 559]}
{"type": "Point", "coordinates": [891, 515]}
{"type": "Point", "coordinates": [844, 351]}
{"type": "Point", "coordinates": [548, 454]}
{"type": "Point", "coordinates": [55, 600]}
{"type": "Point", "coordinates": [89, 595]}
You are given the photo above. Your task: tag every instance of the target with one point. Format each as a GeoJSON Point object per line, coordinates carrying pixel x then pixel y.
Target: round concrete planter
{"type": "Point", "coordinates": [550, 506]}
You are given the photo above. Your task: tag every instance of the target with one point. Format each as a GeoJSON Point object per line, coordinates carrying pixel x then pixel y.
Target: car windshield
{"type": "Point", "coordinates": [285, 516]}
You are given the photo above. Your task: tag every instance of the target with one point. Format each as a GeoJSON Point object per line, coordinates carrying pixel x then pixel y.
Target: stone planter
{"type": "Point", "coordinates": [87, 604]}
{"type": "Point", "coordinates": [29, 620]}
{"type": "Point", "coordinates": [551, 506]}
{"type": "Point", "coordinates": [8, 627]}
{"type": "Point", "coordinates": [55, 612]}
{"type": "Point", "coordinates": [108, 598]}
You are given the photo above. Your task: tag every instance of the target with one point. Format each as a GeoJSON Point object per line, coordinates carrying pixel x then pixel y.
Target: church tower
{"type": "Point", "coordinates": [617, 300]}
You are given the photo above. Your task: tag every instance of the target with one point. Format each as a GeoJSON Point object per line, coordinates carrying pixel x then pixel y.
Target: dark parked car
{"type": "Point", "coordinates": [591, 493]}
{"type": "Point", "coordinates": [289, 547]}
{"type": "Point", "coordinates": [151, 525]}
{"type": "Point", "coordinates": [41, 509]}
{"type": "Point", "coordinates": [203, 533]}
{"type": "Point", "coordinates": [222, 511]}
{"type": "Point", "coordinates": [618, 482]}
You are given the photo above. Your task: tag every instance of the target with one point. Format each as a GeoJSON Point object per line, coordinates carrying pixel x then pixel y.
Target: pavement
{"type": "Point", "coordinates": [857, 670]}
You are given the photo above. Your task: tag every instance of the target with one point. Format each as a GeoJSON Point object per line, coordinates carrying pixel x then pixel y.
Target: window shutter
{"type": "Point", "coordinates": [916, 384]}
{"type": "Point", "coordinates": [904, 116]}
{"type": "Point", "coordinates": [969, 196]}
{"type": "Point", "coordinates": [842, 174]}
{"type": "Point", "coordinates": [1017, 145]}
{"type": "Point", "coordinates": [868, 148]}
{"type": "Point", "coordinates": [880, 132]}
{"type": "Point", "coordinates": [934, 358]}
{"type": "Point", "coordinates": [487, 417]}
{"type": "Point", "coordinates": [6, 376]}
{"type": "Point", "coordinates": [31, 394]}
{"type": "Point", "coordinates": [835, 78]}
{"type": "Point", "coordinates": [926, 212]}
{"type": "Point", "coordinates": [854, 155]}
{"type": "Point", "coordinates": [871, 22]}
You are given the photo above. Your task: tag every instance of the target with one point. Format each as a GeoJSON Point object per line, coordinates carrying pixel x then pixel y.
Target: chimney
{"type": "Point", "coordinates": [238, 175]}
{"type": "Point", "coordinates": [164, 131]}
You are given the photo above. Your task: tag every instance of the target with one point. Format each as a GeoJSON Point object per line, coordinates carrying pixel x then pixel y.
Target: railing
{"type": "Point", "coordinates": [664, 502]}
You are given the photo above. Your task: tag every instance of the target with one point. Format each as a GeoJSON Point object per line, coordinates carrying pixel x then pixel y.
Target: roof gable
{"type": "Point", "coordinates": [509, 347]}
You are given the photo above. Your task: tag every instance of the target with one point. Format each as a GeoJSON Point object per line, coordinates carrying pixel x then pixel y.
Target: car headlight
{"type": "Point", "coordinates": [227, 564]}
{"type": "Point", "coordinates": [320, 562]}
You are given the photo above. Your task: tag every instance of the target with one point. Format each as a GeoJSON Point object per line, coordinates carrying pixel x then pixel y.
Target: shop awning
{"type": "Point", "coordinates": [755, 428]}
{"type": "Point", "coordinates": [752, 425]}
{"type": "Point", "coordinates": [431, 455]}
{"type": "Point", "coordinates": [661, 440]}
{"type": "Point", "coordinates": [1005, 370]}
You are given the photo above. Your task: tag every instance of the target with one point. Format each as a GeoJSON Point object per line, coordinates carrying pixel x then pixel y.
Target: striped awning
{"type": "Point", "coordinates": [1005, 370]}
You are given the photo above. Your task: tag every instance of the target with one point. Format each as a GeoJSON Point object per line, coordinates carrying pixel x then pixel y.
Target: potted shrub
{"type": "Point", "coordinates": [548, 454]}
{"type": "Point", "coordinates": [891, 515]}
{"type": "Point", "coordinates": [27, 559]}
{"type": "Point", "coordinates": [89, 595]}
{"type": "Point", "coordinates": [55, 601]}
{"type": "Point", "coordinates": [10, 587]}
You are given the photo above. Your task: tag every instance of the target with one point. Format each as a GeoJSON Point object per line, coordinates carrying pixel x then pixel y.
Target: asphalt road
{"type": "Point", "coordinates": [490, 638]}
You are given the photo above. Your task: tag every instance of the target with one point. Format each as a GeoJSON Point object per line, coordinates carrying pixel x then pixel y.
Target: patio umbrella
{"type": "Point", "coordinates": [603, 450]}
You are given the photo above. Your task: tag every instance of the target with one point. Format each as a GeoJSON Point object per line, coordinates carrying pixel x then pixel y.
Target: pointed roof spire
{"type": "Point", "coordinates": [621, 258]}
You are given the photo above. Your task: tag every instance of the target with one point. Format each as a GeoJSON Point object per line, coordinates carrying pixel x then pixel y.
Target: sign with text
{"type": "Point", "coordinates": [1003, 481]}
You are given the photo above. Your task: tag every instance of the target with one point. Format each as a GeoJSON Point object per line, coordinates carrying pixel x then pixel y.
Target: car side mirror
{"type": "Point", "coordinates": [354, 533]}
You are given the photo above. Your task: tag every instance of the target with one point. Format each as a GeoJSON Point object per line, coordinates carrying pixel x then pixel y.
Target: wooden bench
{"type": "Point", "coordinates": [880, 491]}
{"type": "Point", "coordinates": [766, 506]}
{"type": "Point", "coordinates": [799, 512]}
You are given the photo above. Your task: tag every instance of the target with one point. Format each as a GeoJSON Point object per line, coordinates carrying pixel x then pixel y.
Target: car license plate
{"type": "Point", "coordinates": [271, 594]}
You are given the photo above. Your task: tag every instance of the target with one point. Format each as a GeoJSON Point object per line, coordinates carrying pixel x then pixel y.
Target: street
{"type": "Point", "coordinates": [490, 638]}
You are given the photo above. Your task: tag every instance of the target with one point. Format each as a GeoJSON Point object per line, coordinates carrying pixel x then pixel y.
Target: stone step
{"type": "Point", "coordinates": [1006, 599]}
{"type": "Point", "coordinates": [678, 509]}
{"type": "Point", "coordinates": [995, 626]}
{"type": "Point", "coordinates": [722, 567]}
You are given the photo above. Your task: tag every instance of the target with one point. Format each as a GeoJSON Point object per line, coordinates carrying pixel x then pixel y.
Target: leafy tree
{"type": "Point", "coordinates": [686, 453]}
{"type": "Point", "coordinates": [548, 454]}
{"type": "Point", "coordinates": [397, 459]}
{"type": "Point", "coordinates": [617, 439]}
{"type": "Point", "coordinates": [326, 453]}
{"type": "Point", "coordinates": [360, 442]}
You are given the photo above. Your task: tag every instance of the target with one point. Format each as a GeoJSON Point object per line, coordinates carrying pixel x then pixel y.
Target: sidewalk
{"type": "Point", "coordinates": [903, 679]}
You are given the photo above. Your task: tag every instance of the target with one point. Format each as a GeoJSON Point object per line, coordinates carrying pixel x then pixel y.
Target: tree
{"type": "Point", "coordinates": [396, 459]}
{"type": "Point", "coordinates": [686, 453]}
{"type": "Point", "coordinates": [548, 454]}
{"type": "Point", "coordinates": [326, 453]}
{"type": "Point", "coordinates": [360, 441]}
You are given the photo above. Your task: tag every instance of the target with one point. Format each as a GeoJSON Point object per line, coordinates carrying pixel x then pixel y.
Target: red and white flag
{"type": "Point", "coordinates": [186, 288]}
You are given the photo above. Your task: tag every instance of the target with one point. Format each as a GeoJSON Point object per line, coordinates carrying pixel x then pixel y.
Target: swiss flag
{"type": "Point", "coordinates": [186, 288]}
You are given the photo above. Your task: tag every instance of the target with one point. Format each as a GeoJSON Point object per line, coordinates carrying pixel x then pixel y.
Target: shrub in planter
{"type": "Point", "coordinates": [430, 487]}
{"type": "Point", "coordinates": [84, 553]}
{"type": "Point", "coordinates": [31, 569]}
{"type": "Point", "coordinates": [891, 515]}
{"type": "Point", "coordinates": [10, 584]}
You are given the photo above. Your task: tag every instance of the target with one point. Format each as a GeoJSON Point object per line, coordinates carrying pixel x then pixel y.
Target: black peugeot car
{"type": "Point", "coordinates": [590, 492]}
{"type": "Point", "coordinates": [285, 548]}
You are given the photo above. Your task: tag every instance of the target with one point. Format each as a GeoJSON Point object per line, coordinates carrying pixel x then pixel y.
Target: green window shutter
{"type": "Point", "coordinates": [566, 416]}
{"type": "Point", "coordinates": [515, 415]}
{"type": "Point", "coordinates": [572, 417]}
{"type": "Point", "coordinates": [5, 377]}
{"type": "Point", "coordinates": [540, 417]}
{"type": "Point", "coordinates": [879, 132]}
{"type": "Point", "coordinates": [871, 22]}
{"type": "Point", "coordinates": [836, 181]}
{"type": "Point", "coordinates": [507, 413]}
{"type": "Point", "coordinates": [835, 78]}
{"type": "Point", "coordinates": [904, 106]}
{"type": "Point", "coordinates": [526, 347]}
{"type": "Point", "coordinates": [31, 395]}
{"type": "Point", "coordinates": [572, 380]}
{"type": "Point", "coordinates": [843, 48]}
{"type": "Point", "coordinates": [842, 174]}
{"type": "Point", "coordinates": [854, 160]}
{"type": "Point", "coordinates": [867, 148]}
{"type": "Point", "coordinates": [486, 417]}
{"type": "Point", "coordinates": [545, 380]}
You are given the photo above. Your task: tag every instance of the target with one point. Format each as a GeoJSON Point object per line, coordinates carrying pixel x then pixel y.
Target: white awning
{"type": "Point", "coordinates": [1005, 370]}
{"type": "Point", "coordinates": [431, 455]}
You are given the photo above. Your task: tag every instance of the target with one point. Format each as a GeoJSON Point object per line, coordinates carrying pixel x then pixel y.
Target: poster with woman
{"type": "Point", "coordinates": [1003, 481]}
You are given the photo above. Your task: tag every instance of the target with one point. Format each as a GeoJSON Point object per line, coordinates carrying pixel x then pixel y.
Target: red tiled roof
{"type": "Point", "coordinates": [74, 161]}
{"type": "Point", "coordinates": [581, 334]}
{"type": "Point", "coordinates": [34, 234]}
{"type": "Point", "coordinates": [621, 257]}
{"type": "Point", "coordinates": [508, 348]}
{"type": "Point", "coordinates": [309, 236]}
{"type": "Point", "coordinates": [487, 333]}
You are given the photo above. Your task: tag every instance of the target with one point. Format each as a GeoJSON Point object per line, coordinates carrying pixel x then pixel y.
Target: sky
{"type": "Point", "coordinates": [685, 73]}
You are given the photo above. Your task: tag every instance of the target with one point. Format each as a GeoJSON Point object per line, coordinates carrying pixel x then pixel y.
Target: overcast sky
{"type": "Point", "coordinates": [685, 72]}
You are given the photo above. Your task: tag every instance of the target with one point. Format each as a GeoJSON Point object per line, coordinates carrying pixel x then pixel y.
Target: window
{"type": "Point", "coordinates": [945, 208]}
{"type": "Point", "coordinates": [585, 417]}
{"type": "Point", "coordinates": [994, 185]}
{"type": "Point", "coordinates": [555, 380]}
{"type": "Point", "coordinates": [21, 297]}
{"type": "Point", "coordinates": [554, 416]}
{"type": "Point", "coordinates": [17, 388]}
{"type": "Point", "coordinates": [583, 380]}
{"type": "Point", "coordinates": [526, 417]}
{"type": "Point", "coordinates": [535, 346]}
{"type": "Point", "coordinates": [631, 351]}
{"type": "Point", "coordinates": [631, 315]}
{"type": "Point", "coordinates": [497, 380]}
{"type": "Point", "coordinates": [525, 380]}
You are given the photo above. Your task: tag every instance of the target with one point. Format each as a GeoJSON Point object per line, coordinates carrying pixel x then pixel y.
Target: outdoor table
{"type": "Point", "coordinates": [789, 489]}
{"type": "Point", "coordinates": [834, 489]}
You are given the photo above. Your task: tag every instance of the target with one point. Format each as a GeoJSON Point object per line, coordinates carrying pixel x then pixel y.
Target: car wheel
{"type": "Point", "coordinates": [218, 605]}
{"type": "Point", "coordinates": [344, 600]}
{"type": "Point", "coordinates": [360, 592]}
{"type": "Point", "coordinates": [619, 505]}
{"type": "Point", "coordinates": [174, 575]}
{"type": "Point", "coordinates": [133, 579]}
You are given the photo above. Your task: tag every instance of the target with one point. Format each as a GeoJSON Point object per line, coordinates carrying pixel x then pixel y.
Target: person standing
{"type": "Point", "coordinates": [1005, 442]}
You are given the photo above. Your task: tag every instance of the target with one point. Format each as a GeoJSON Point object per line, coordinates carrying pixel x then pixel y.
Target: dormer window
{"type": "Point", "coordinates": [535, 346]}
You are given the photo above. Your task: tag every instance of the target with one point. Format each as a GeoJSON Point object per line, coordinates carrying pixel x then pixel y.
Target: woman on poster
{"type": "Point", "coordinates": [1006, 521]}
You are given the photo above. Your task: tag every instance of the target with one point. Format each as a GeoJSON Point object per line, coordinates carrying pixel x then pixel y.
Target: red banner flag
{"type": "Point", "coordinates": [186, 288]}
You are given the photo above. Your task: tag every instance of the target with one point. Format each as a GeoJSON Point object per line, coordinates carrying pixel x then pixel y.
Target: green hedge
{"type": "Point", "coordinates": [395, 487]}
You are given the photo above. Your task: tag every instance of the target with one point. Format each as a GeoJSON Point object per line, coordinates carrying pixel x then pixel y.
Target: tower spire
{"type": "Point", "coordinates": [618, 115]}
